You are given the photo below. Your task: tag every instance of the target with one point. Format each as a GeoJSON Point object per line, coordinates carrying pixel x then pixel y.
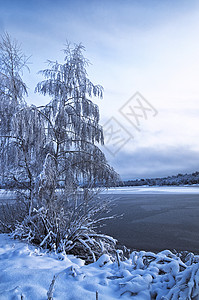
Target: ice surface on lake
{"type": "Point", "coordinates": [154, 190]}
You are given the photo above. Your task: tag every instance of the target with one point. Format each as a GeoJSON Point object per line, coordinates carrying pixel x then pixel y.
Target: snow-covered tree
{"type": "Point", "coordinates": [52, 152]}
{"type": "Point", "coordinates": [71, 119]}
{"type": "Point", "coordinates": [12, 92]}
{"type": "Point", "coordinates": [12, 87]}
{"type": "Point", "coordinates": [73, 159]}
{"type": "Point", "coordinates": [21, 131]}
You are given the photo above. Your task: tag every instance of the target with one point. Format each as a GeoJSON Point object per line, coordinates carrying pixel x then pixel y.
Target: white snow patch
{"type": "Point", "coordinates": [27, 273]}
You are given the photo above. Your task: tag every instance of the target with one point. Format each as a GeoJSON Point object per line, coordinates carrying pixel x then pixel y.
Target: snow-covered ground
{"type": "Point", "coordinates": [27, 273]}
{"type": "Point", "coordinates": [154, 190]}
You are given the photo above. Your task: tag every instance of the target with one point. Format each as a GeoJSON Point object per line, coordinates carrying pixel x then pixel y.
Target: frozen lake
{"type": "Point", "coordinates": [155, 218]}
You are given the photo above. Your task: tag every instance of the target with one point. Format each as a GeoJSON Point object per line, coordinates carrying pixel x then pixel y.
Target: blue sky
{"type": "Point", "coordinates": [146, 46]}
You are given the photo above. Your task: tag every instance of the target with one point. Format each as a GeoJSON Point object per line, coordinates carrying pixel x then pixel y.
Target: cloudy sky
{"type": "Point", "coordinates": [148, 46]}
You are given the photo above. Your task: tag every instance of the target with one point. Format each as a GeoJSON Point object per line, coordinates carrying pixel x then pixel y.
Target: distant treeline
{"type": "Point", "coordinates": [180, 179]}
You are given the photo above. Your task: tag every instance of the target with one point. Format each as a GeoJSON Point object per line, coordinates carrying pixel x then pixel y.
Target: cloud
{"type": "Point", "coordinates": [151, 162]}
{"type": "Point", "coordinates": [146, 46]}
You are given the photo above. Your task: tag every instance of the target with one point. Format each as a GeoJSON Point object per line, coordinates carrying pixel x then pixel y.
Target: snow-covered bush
{"type": "Point", "coordinates": [145, 275]}
{"type": "Point", "coordinates": [69, 226]}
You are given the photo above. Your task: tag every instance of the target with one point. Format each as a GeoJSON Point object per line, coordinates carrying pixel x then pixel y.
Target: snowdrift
{"type": "Point", "coordinates": [29, 273]}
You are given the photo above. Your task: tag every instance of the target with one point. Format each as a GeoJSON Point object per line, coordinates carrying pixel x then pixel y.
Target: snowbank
{"type": "Point", "coordinates": [27, 273]}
